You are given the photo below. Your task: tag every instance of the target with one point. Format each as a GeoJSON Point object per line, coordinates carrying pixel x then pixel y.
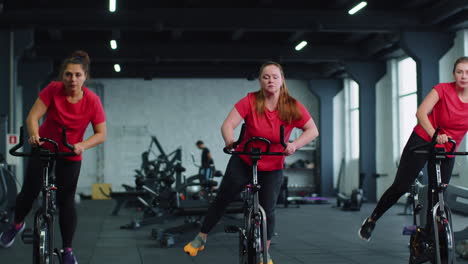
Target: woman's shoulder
{"type": "Point", "coordinates": [92, 95]}
{"type": "Point", "coordinates": [445, 88]}
{"type": "Point", "coordinates": [446, 85]}
{"type": "Point", "coordinates": [53, 88]}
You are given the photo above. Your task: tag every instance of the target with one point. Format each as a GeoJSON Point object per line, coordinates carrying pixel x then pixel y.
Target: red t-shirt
{"type": "Point", "coordinates": [449, 113]}
{"type": "Point", "coordinates": [267, 126]}
{"type": "Point", "coordinates": [75, 117]}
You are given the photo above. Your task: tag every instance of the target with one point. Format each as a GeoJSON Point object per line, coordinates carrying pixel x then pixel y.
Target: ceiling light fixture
{"type": "Point", "coordinates": [301, 45]}
{"type": "Point", "coordinates": [117, 67]}
{"type": "Point", "coordinates": [358, 7]}
{"type": "Point", "coordinates": [113, 44]}
{"type": "Point", "coordinates": [112, 5]}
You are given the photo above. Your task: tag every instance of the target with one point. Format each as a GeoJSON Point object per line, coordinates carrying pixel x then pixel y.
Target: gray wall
{"type": "Point", "coordinates": [178, 112]}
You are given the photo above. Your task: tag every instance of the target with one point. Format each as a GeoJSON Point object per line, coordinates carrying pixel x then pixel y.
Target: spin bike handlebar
{"type": "Point", "coordinates": [255, 139]}
{"type": "Point", "coordinates": [13, 151]}
{"type": "Point", "coordinates": [419, 148]}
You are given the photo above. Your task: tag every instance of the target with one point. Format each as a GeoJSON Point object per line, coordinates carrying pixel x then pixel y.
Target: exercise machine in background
{"type": "Point", "coordinates": [8, 193]}
{"type": "Point", "coordinates": [352, 202]}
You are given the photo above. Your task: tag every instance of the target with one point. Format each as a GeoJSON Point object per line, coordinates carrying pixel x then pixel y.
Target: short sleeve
{"type": "Point", "coordinates": [48, 93]}
{"type": "Point", "coordinates": [99, 115]}
{"type": "Point", "coordinates": [243, 106]}
{"type": "Point", "coordinates": [440, 90]}
{"type": "Point", "coordinates": [305, 116]}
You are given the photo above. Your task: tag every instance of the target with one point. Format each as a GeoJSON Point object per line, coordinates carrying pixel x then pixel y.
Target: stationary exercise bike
{"type": "Point", "coordinates": [433, 242]}
{"type": "Point", "coordinates": [7, 195]}
{"type": "Point", "coordinates": [253, 233]}
{"type": "Point", "coordinates": [42, 236]}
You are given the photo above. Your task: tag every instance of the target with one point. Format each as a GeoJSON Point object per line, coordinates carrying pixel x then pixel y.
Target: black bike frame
{"type": "Point", "coordinates": [45, 214]}
{"type": "Point", "coordinates": [439, 211]}
{"type": "Point", "coordinates": [253, 209]}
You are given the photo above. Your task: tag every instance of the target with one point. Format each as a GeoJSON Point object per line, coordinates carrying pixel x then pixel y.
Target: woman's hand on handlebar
{"type": "Point", "coordinates": [34, 140]}
{"type": "Point", "coordinates": [230, 144]}
{"type": "Point", "coordinates": [290, 149]}
{"type": "Point", "coordinates": [78, 148]}
{"type": "Point", "coordinates": [443, 138]}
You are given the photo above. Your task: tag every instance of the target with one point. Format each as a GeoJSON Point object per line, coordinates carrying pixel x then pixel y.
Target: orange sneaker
{"type": "Point", "coordinates": [270, 261]}
{"type": "Point", "coordinates": [196, 245]}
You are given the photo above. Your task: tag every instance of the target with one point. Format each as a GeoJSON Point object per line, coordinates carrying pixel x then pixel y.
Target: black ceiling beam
{"type": "Point", "coordinates": [200, 52]}
{"type": "Point", "coordinates": [378, 43]}
{"type": "Point", "coordinates": [443, 10]}
{"type": "Point", "coordinates": [218, 19]}
{"type": "Point", "coordinates": [219, 70]}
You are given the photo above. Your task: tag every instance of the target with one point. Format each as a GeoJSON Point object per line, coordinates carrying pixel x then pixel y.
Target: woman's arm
{"type": "Point", "coordinates": [310, 132]}
{"type": "Point", "coordinates": [230, 123]}
{"type": "Point", "coordinates": [423, 110]}
{"type": "Point", "coordinates": [37, 111]}
{"type": "Point", "coordinates": [100, 134]}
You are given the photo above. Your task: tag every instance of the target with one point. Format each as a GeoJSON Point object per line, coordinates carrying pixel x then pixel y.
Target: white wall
{"type": "Point", "coordinates": [338, 135]}
{"type": "Point", "coordinates": [178, 112]}
{"type": "Point", "coordinates": [385, 133]}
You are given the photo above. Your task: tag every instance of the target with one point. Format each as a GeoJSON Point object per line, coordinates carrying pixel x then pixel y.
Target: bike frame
{"type": "Point", "coordinates": [438, 227]}
{"type": "Point", "coordinates": [43, 234]}
{"type": "Point", "coordinates": [253, 235]}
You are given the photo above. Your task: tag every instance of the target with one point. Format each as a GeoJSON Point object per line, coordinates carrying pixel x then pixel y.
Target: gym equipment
{"type": "Point", "coordinates": [434, 241]}
{"type": "Point", "coordinates": [351, 202]}
{"type": "Point", "coordinates": [253, 233]}
{"type": "Point", "coordinates": [42, 237]}
{"type": "Point", "coordinates": [158, 175]}
{"type": "Point", "coordinates": [8, 193]}
{"type": "Point", "coordinates": [457, 198]}
{"type": "Point", "coordinates": [413, 197]}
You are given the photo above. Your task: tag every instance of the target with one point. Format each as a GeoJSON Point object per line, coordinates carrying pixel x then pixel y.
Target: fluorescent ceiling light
{"type": "Point", "coordinates": [117, 67]}
{"type": "Point", "coordinates": [113, 44]}
{"type": "Point", "coordinates": [112, 5]}
{"type": "Point", "coordinates": [358, 7]}
{"type": "Point", "coordinates": [301, 45]}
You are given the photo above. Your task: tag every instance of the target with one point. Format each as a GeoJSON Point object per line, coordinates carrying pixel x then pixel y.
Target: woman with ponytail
{"type": "Point", "coordinates": [263, 112]}
{"type": "Point", "coordinates": [64, 103]}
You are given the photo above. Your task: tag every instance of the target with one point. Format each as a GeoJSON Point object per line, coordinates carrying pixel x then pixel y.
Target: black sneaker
{"type": "Point", "coordinates": [68, 257]}
{"type": "Point", "coordinates": [8, 237]}
{"type": "Point", "coordinates": [366, 229]}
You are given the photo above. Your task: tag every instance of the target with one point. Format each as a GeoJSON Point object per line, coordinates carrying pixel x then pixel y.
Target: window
{"type": "Point", "coordinates": [406, 99]}
{"type": "Point", "coordinates": [352, 97]}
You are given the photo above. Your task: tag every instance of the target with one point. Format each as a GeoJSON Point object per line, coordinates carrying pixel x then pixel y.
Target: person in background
{"type": "Point", "coordinates": [207, 163]}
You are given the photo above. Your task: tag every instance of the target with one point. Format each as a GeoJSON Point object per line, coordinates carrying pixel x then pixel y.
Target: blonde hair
{"type": "Point", "coordinates": [288, 110]}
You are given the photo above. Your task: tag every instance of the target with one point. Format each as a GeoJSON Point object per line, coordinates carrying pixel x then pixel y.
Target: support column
{"type": "Point", "coordinates": [367, 74]}
{"type": "Point", "coordinates": [426, 48]}
{"type": "Point", "coordinates": [33, 75]}
{"type": "Point", "coordinates": [4, 87]}
{"type": "Point", "coordinates": [326, 90]}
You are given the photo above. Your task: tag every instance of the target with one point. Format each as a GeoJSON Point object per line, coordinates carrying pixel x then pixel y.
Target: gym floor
{"type": "Point", "coordinates": [308, 234]}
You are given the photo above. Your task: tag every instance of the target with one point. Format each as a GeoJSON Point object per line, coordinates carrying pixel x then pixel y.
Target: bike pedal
{"type": "Point", "coordinates": [231, 229]}
{"type": "Point", "coordinates": [410, 230]}
{"type": "Point", "coordinates": [27, 236]}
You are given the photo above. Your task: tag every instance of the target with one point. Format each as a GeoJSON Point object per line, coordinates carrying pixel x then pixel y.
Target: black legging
{"type": "Point", "coordinates": [67, 173]}
{"type": "Point", "coordinates": [408, 170]}
{"type": "Point", "coordinates": [237, 175]}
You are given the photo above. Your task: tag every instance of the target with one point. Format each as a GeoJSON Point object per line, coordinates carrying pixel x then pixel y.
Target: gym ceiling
{"type": "Point", "coordinates": [227, 38]}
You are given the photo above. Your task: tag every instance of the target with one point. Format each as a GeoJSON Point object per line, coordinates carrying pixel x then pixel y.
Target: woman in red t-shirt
{"type": "Point", "coordinates": [446, 106]}
{"type": "Point", "coordinates": [263, 112]}
{"type": "Point", "coordinates": [69, 104]}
